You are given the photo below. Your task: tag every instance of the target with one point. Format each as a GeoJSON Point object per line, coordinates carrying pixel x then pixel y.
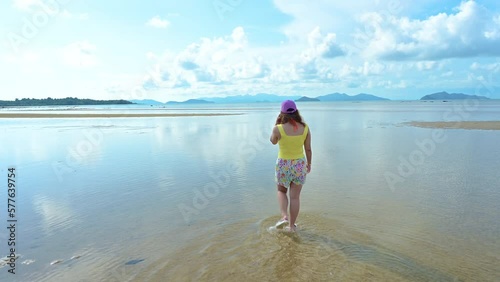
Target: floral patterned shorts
{"type": "Point", "coordinates": [288, 171]}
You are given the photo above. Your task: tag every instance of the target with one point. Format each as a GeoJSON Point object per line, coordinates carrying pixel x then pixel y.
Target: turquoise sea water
{"type": "Point", "coordinates": [118, 199]}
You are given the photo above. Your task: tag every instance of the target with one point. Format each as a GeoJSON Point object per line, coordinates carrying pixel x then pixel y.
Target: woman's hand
{"type": "Point", "coordinates": [308, 168]}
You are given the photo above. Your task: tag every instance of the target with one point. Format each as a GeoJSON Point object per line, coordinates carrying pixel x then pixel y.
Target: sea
{"type": "Point", "coordinates": [193, 198]}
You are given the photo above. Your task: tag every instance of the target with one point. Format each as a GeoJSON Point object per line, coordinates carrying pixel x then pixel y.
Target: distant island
{"type": "Point", "coordinates": [451, 96]}
{"type": "Point", "coordinates": [257, 98]}
{"type": "Point", "coordinates": [60, 102]}
{"type": "Point", "coordinates": [190, 101]}
{"type": "Point", "coordinates": [307, 99]}
{"type": "Point", "coordinates": [264, 97]}
{"type": "Point", "coordinates": [345, 97]}
{"type": "Point", "coordinates": [146, 102]}
{"type": "Point", "coordinates": [267, 98]}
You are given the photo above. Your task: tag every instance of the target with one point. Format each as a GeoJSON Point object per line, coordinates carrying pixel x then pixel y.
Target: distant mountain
{"type": "Point", "coordinates": [345, 97]}
{"type": "Point", "coordinates": [60, 102]}
{"type": "Point", "coordinates": [307, 99]}
{"type": "Point", "coordinates": [451, 96]}
{"type": "Point", "coordinates": [190, 101]}
{"type": "Point", "coordinates": [146, 102]}
{"type": "Point", "coordinates": [368, 97]}
{"type": "Point", "coordinates": [261, 97]}
{"type": "Point", "coordinates": [272, 98]}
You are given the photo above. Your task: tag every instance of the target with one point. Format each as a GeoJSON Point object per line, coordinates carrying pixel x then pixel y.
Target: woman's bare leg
{"type": "Point", "coordinates": [283, 201]}
{"type": "Point", "coordinates": [294, 203]}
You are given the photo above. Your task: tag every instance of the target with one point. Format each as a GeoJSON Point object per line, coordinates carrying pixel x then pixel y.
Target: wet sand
{"type": "Point", "coordinates": [103, 115]}
{"type": "Point", "coordinates": [481, 125]}
{"type": "Point", "coordinates": [323, 250]}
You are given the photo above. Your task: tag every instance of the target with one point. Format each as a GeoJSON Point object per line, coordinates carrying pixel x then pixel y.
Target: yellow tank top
{"type": "Point", "coordinates": [291, 147]}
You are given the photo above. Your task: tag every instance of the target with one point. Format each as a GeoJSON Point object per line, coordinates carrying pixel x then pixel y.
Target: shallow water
{"type": "Point", "coordinates": [190, 198]}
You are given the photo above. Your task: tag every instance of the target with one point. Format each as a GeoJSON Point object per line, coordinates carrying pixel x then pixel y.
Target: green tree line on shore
{"type": "Point", "coordinates": [60, 102]}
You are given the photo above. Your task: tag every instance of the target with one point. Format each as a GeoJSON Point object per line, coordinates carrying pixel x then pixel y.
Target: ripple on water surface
{"type": "Point", "coordinates": [323, 250]}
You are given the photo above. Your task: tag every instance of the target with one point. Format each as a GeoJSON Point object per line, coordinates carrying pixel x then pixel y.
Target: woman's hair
{"type": "Point", "coordinates": [292, 118]}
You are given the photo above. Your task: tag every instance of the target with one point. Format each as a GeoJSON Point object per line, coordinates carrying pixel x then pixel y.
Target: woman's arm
{"type": "Point", "coordinates": [307, 147]}
{"type": "Point", "coordinates": [275, 135]}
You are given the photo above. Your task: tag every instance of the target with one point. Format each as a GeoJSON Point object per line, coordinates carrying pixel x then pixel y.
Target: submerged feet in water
{"type": "Point", "coordinates": [291, 229]}
{"type": "Point", "coordinates": [281, 223]}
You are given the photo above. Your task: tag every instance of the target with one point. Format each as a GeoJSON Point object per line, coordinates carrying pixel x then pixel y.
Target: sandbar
{"type": "Point", "coordinates": [481, 125]}
{"type": "Point", "coordinates": [107, 115]}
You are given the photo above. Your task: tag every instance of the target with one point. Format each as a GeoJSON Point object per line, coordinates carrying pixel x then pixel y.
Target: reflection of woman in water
{"type": "Point", "coordinates": [293, 136]}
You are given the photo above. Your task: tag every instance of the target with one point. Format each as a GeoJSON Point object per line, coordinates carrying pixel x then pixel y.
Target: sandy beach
{"type": "Point", "coordinates": [104, 115]}
{"type": "Point", "coordinates": [194, 175]}
{"type": "Point", "coordinates": [481, 125]}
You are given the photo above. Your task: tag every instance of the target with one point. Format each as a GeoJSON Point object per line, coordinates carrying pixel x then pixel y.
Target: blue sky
{"type": "Point", "coordinates": [177, 50]}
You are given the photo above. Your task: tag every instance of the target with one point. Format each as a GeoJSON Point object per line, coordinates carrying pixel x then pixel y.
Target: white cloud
{"type": "Point", "coordinates": [151, 56]}
{"type": "Point", "coordinates": [365, 69]}
{"type": "Point", "coordinates": [348, 70]}
{"type": "Point", "coordinates": [447, 74]}
{"type": "Point", "coordinates": [326, 13]}
{"type": "Point", "coordinates": [282, 74]}
{"type": "Point", "coordinates": [323, 46]}
{"type": "Point", "coordinates": [239, 38]}
{"type": "Point", "coordinates": [157, 22]}
{"type": "Point", "coordinates": [215, 61]}
{"type": "Point", "coordinates": [323, 53]}
{"type": "Point", "coordinates": [493, 33]}
{"type": "Point", "coordinates": [471, 31]}
{"type": "Point", "coordinates": [80, 54]}
{"type": "Point", "coordinates": [392, 84]}
{"type": "Point", "coordinates": [373, 68]}
{"type": "Point", "coordinates": [308, 61]}
{"type": "Point", "coordinates": [493, 67]}
{"type": "Point", "coordinates": [231, 61]}
{"type": "Point", "coordinates": [378, 29]}
{"type": "Point", "coordinates": [426, 65]}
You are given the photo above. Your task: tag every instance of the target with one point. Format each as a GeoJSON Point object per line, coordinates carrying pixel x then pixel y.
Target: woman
{"type": "Point", "coordinates": [293, 136]}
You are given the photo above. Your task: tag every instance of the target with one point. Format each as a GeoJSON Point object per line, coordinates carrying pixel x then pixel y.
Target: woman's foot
{"type": "Point", "coordinates": [291, 229]}
{"type": "Point", "coordinates": [282, 222]}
